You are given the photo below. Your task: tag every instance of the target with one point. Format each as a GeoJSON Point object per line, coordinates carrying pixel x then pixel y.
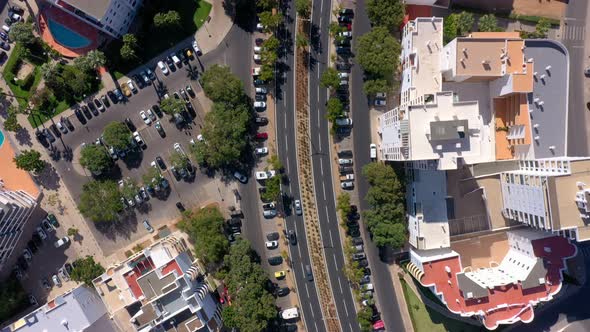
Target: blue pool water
{"type": "Point", "coordinates": [65, 36]}
{"type": "Point", "coordinates": [1, 138]}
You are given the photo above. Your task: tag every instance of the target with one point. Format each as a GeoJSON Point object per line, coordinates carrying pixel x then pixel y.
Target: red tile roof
{"type": "Point", "coordinates": [504, 304]}
{"type": "Point", "coordinates": [141, 267]}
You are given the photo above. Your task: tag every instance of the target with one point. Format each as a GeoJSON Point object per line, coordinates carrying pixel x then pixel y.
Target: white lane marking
{"type": "Point", "coordinates": [341, 291]}
{"type": "Point", "coordinates": [316, 325]}
{"type": "Point", "coordinates": [285, 121]}
{"type": "Point", "coordinates": [287, 159]}
{"type": "Point", "coordinates": [300, 255]}
{"type": "Point", "coordinates": [324, 189]}
{"type": "Point", "coordinates": [335, 264]}
{"type": "Point", "coordinates": [331, 241]}
{"type": "Point", "coordinates": [326, 207]}
{"type": "Point", "coordinates": [322, 167]}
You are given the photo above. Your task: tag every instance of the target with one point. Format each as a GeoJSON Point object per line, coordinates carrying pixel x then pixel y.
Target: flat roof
{"type": "Point", "coordinates": [448, 130]}
{"type": "Point", "coordinates": [13, 178]}
{"type": "Point", "coordinates": [94, 8]}
{"type": "Point", "coordinates": [479, 56]}
{"type": "Point", "coordinates": [550, 110]}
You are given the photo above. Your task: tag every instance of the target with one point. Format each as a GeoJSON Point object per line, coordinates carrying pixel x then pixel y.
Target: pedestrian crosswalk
{"type": "Point", "coordinates": [571, 32]}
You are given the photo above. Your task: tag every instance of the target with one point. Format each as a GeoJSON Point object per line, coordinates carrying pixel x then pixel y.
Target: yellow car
{"type": "Point", "coordinates": [126, 90]}
{"type": "Point", "coordinates": [280, 274]}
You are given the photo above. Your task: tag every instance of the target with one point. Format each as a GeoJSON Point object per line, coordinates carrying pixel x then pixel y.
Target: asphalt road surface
{"type": "Point", "coordinates": [322, 170]}
{"type": "Point", "coordinates": [381, 278]}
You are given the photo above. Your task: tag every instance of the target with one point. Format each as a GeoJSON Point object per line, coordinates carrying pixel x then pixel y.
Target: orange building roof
{"type": "Point", "coordinates": [14, 178]}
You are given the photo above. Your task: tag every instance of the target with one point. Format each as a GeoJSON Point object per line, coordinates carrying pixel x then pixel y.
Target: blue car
{"type": "Point", "coordinates": [4, 35]}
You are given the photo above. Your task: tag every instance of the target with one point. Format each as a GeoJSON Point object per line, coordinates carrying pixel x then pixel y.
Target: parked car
{"type": "Point", "coordinates": [260, 105]}
{"type": "Point", "coordinates": [145, 118]}
{"type": "Point", "coordinates": [343, 122]}
{"type": "Point", "coordinates": [62, 242]}
{"type": "Point", "coordinates": [151, 115]}
{"type": "Point", "coordinates": [261, 151]}
{"type": "Point", "coordinates": [138, 139]}
{"type": "Point", "coordinates": [275, 260]}
{"type": "Point", "coordinates": [99, 105]}
{"type": "Point", "coordinates": [241, 177]}
{"type": "Point", "coordinates": [347, 185]}
{"type": "Point", "coordinates": [147, 226]}
{"type": "Point", "coordinates": [380, 102]}
{"type": "Point", "coordinates": [80, 117]}
{"type": "Point", "coordinates": [163, 68]}
{"type": "Point", "coordinates": [261, 120]}
{"type": "Point", "coordinates": [41, 233]}
{"type": "Point", "coordinates": [343, 161]}
{"type": "Point", "coordinates": [261, 136]}
{"type": "Point", "coordinates": [345, 154]}
{"type": "Point", "coordinates": [283, 291]}
{"type": "Point", "coordinates": [271, 244]}
{"type": "Point", "coordinates": [280, 274]}
{"type": "Point", "coordinates": [196, 48]}
{"type": "Point", "coordinates": [56, 280]}
{"type": "Point", "coordinates": [274, 236]}
{"type": "Point", "coordinates": [61, 127]}
{"type": "Point", "coordinates": [180, 207]}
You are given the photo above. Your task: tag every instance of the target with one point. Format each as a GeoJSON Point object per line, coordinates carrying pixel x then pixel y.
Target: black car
{"type": "Point", "coordinates": [175, 173]}
{"type": "Point", "coordinates": [80, 117]}
{"type": "Point", "coordinates": [342, 50]}
{"type": "Point", "coordinates": [48, 135]}
{"type": "Point", "coordinates": [130, 124]}
{"type": "Point", "coordinates": [180, 207]}
{"type": "Point", "coordinates": [187, 117]}
{"type": "Point", "coordinates": [93, 109]}
{"type": "Point", "coordinates": [170, 63]}
{"type": "Point", "coordinates": [86, 111]}
{"type": "Point", "coordinates": [283, 291]}
{"type": "Point", "coordinates": [113, 97]}
{"type": "Point", "coordinates": [343, 42]}
{"type": "Point", "coordinates": [260, 97]}
{"type": "Point", "coordinates": [354, 232]}
{"type": "Point", "coordinates": [180, 54]}
{"type": "Point", "coordinates": [343, 131]}
{"type": "Point", "coordinates": [259, 41]}
{"type": "Point", "coordinates": [68, 268]}
{"type": "Point", "coordinates": [276, 260]}
{"type": "Point", "coordinates": [68, 123]}
{"type": "Point", "coordinates": [139, 81]}
{"type": "Point", "coordinates": [345, 154]}
{"type": "Point", "coordinates": [292, 237]}
{"type": "Point", "coordinates": [161, 163]}
{"type": "Point", "coordinates": [259, 82]}
{"type": "Point", "coordinates": [4, 45]}
{"type": "Point", "coordinates": [157, 110]}
{"type": "Point", "coordinates": [345, 169]}
{"type": "Point", "coordinates": [343, 66]}
{"type": "Point", "coordinates": [261, 120]}
{"type": "Point", "coordinates": [105, 101]}
{"type": "Point", "coordinates": [344, 19]}
{"type": "Point", "coordinates": [346, 12]}
{"type": "Point", "coordinates": [274, 236]}
{"type": "Point", "coordinates": [357, 241]}
{"type": "Point", "coordinates": [41, 138]}
{"type": "Point", "coordinates": [55, 130]}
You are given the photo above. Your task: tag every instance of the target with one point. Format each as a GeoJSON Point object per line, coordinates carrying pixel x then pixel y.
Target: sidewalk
{"type": "Point", "coordinates": [212, 33]}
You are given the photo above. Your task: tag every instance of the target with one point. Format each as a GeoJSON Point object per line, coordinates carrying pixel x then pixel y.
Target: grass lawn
{"type": "Point", "coordinates": [425, 319]}
{"type": "Point", "coordinates": [201, 13]}
{"type": "Point", "coordinates": [21, 89]}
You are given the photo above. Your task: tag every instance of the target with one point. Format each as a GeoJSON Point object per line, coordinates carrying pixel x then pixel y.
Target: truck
{"type": "Point", "coordinates": [290, 313]}
{"type": "Point", "coordinates": [346, 177]}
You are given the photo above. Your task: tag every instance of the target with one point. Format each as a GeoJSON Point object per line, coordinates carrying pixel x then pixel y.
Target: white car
{"type": "Point", "coordinates": [381, 95]}
{"type": "Point", "coordinates": [261, 90]}
{"type": "Point", "coordinates": [200, 138]}
{"type": "Point", "coordinates": [259, 26]}
{"type": "Point", "coordinates": [163, 68]}
{"type": "Point", "coordinates": [347, 185]}
{"type": "Point", "coordinates": [178, 148]}
{"type": "Point", "coordinates": [138, 138]}
{"type": "Point", "coordinates": [344, 121]}
{"type": "Point", "coordinates": [257, 57]}
{"type": "Point", "coordinates": [380, 102]}
{"type": "Point", "coordinates": [196, 48]}
{"type": "Point", "coordinates": [261, 151]}
{"type": "Point", "coordinates": [145, 118]}
{"type": "Point", "coordinates": [298, 209]}
{"type": "Point", "coordinates": [271, 244]}
{"type": "Point", "coordinates": [259, 104]}
{"type": "Point", "coordinates": [241, 177]}
{"type": "Point", "coordinates": [263, 175]}
{"type": "Point", "coordinates": [131, 86]}
{"type": "Point", "coordinates": [255, 71]}
{"type": "Point", "coordinates": [344, 161]}
{"type": "Point", "coordinates": [373, 150]}
{"type": "Point", "coordinates": [257, 49]}
{"type": "Point", "coordinates": [346, 34]}
{"type": "Point", "coordinates": [343, 75]}
{"type": "Point", "coordinates": [151, 115]}
{"type": "Point", "coordinates": [269, 213]}
{"type": "Point", "coordinates": [61, 242]}
{"type": "Point", "coordinates": [56, 280]}
{"type": "Point", "coordinates": [343, 82]}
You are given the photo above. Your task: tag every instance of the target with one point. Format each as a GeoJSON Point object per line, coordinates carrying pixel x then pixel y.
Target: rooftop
{"type": "Point", "coordinates": [13, 178]}
{"type": "Point", "coordinates": [94, 8]}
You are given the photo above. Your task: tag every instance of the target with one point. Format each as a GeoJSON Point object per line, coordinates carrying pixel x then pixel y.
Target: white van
{"type": "Point", "coordinates": [373, 150]}
{"type": "Point", "coordinates": [175, 59]}
{"type": "Point", "coordinates": [290, 313]}
{"type": "Point", "coordinates": [367, 287]}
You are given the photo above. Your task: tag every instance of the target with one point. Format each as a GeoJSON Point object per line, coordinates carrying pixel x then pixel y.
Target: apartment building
{"type": "Point", "coordinates": [79, 309]}
{"type": "Point", "coordinates": [161, 288]}
{"type": "Point", "coordinates": [481, 128]}
{"type": "Point", "coordinates": [18, 200]}
{"type": "Point", "coordinates": [112, 17]}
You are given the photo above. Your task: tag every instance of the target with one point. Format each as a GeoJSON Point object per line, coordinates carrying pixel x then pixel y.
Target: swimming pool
{"type": "Point", "coordinates": [65, 36]}
{"type": "Point", "coordinates": [1, 138]}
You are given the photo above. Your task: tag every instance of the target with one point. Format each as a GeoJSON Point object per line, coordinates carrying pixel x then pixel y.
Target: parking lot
{"type": "Point", "coordinates": [158, 211]}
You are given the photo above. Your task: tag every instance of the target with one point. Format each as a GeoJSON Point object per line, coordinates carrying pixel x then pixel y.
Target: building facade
{"type": "Point", "coordinates": [160, 289]}
{"type": "Point", "coordinates": [112, 17]}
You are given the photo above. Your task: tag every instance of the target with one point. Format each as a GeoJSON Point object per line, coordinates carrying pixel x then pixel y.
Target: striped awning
{"type": "Point", "coordinates": [415, 271]}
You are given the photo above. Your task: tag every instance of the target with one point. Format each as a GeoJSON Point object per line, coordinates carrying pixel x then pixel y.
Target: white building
{"type": "Point", "coordinates": [79, 309]}
{"type": "Point", "coordinates": [109, 16]}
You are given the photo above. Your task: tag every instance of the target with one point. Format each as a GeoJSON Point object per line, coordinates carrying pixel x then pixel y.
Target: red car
{"type": "Point", "coordinates": [261, 136]}
{"type": "Point", "coordinates": [379, 326]}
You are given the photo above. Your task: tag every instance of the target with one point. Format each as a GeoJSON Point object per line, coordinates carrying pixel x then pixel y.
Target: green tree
{"type": "Point", "coordinates": [373, 86]}
{"type": "Point", "coordinates": [303, 8]}
{"type": "Point", "coordinates": [343, 205]}
{"type": "Point", "coordinates": [273, 189]}
{"type": "Point", "coordinates": [268, 57]}
{"type": "Point", "coordinates": [78, 82]}
{"type": "Point", "coordinates": [152, 173]}
{"type": "Point", "coordinates": [221, 86]}
{"type": "Point", "coordinates": [100, 201]}
{"type": "Point", "coordinates": [22, 32]}
{"type": "Point", "coordinates": [272, 44]}
{"type": "Point", "coordinates": [43, 99]}
{"type": "Point", "coordinates": [364, 317]}
{"type": "Point", "coordinates": [386, 13]}
{"type": "Point", "coordinates": [30, 161]}
{"type": "Point", "coordinates": [225, 133]}
{"type": "Point", "coordinates": [129, 48]}
{"type": "Point", "coordinates": [14, 298]}
{"type": "Point", "coordinates": [275, 162]}
{"type": "Point", "coordinates": [334, 109]}
{"type": "Point", "coordinates": [95, 158]}
{"type": "Point", "coordinates": [267, 72]}
{"type": "Point", "coordinates": [85, 270]}
{"type": "Point", "coordinates": [168, 20]}
{"type": "Point", "coordinates": [252, 305]}
{"type": "Point", "coordinates": [129, 188]}
{"type": "Point", "coordinates": [378, 52]}
{"type": "Point", "coordinates": [301, 40]}
{"type": "Point", "coordinates": [266, 5]}
{"type": "Point", "coordinates": [450, 28]}
{"type": "Point", "coordinates": [205, 229]}
{"type": "Point", "coordinates": [488, 23]}
{"type": "Point", "coordinates": [335, 29]}
{"type": "Point", "coordinates": [465, 22]}
{"type": "Point", "coordinates": [73, 231]}
{"type": "Point", "coordinates": [179, 160]}
{"type": "Point", "coordinates": [386, 216]}
{"type": "Point", "coordinates": [270, 21]}
{"type": "Point", "coordinates": [542, 28]}
{"type": "Point", "coordinates": [11, 121]}
{"type": "Point", "coordinates": [91, 61]}
{"type": "Point", "coordinates": [117, 135]}
{"type": "Point", "coordinates": [171, 105]}
{"type": "Point", "coordinates": [330, 79]}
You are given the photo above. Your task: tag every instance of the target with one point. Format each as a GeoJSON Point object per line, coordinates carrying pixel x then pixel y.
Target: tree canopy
{"type": "Point", "coordinates": [171, 106]}
{"type": "Point", "coordinates": [11, 121]}
{"type": "Point", "coordinates": [205, 229]}
{"type": "Point", "coordinates": [14, 298]}
{"type": "Point", "coordinates": [330, 78]}
{"type": "Point", "coordinates": [22, 32]}
{"type": "Point", "coordinates": [30, 161]}
{"type": "Point", "coordinates": [373, 86]}
{"type": "Point", "coordinates": [252, 305]}
{"type": "Point", "coordinates": [221, 86]}
{"type": "Point", "coordinates": [273, 189]}
{"type": "Point", "coordinates": [225, 134]}
{"type": "Point", "coordinates": [100, 201]}
{"type": "Point", "coordinates": [270, 21]}
{"type": "Point", "coordinates": [129, 47]}
{"type": "Point", "coordinates": [386, 13]}
{"type": "Point", "coordinates": [95, 159]}
{"type": "Point", "coordinates": [179, 160]}
{"type": "Point", "coordinates": [334, 109]}
{"type": "Point", "coordinates": [266, 5]}
{"type": "Point", "coordinates": [488, 23]}
{"type": "Point", "coordinates": [303, 7]}
{"type": "Point", "coordinates": [91, 61]}
{"type": "Point", "coordinates": [117, 135]}
{"type": "Point", "coordinates": [168, 20]}
{"type": "Point", "coordinates": [85, 270]}
{"type": "Point", "coordinates": [386, 216]}
{"type": "Point", "coordinates": [457, 24]}
{"type": "Point", "coordinates": [378, 52]}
